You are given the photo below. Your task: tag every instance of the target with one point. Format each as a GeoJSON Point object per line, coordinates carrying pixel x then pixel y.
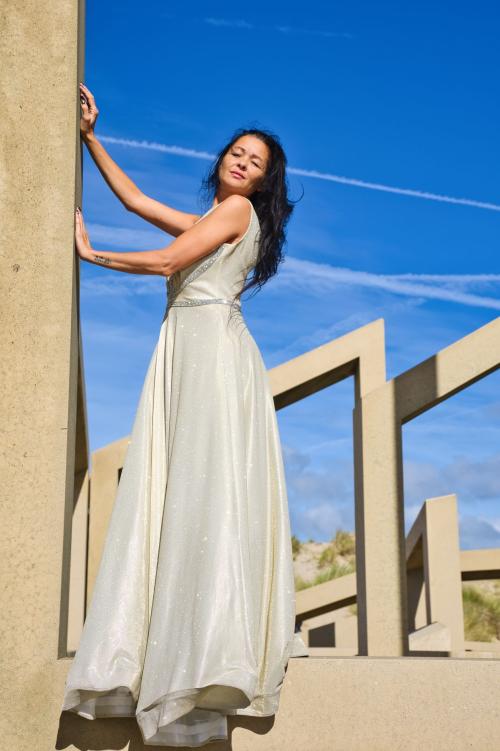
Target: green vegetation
{"type": "Point", "coordinates": [333, 572]}
{"type": "Point", "coordinates": [481, 608]}
{"type": "Point", "coordinates": [342, 544]}
{"type": "Point", "coordinates": [300, 583]}
{"type": "Point", "coordinates": [481, 613]}
{"type": "Point", "coordinates": [296, 545]}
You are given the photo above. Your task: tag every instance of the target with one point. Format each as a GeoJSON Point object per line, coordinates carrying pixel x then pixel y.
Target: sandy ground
{"type": "Point", "coordinates": [306, 561]}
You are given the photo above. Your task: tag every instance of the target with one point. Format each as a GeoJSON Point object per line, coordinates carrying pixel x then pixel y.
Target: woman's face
{"type": "Point", "coordinates": [243, 167]}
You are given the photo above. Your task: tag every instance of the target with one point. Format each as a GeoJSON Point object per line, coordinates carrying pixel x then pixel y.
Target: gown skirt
{"type": "Point", "coordinates": [192, 615]}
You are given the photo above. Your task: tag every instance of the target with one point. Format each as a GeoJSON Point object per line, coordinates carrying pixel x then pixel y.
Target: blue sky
{"type": "Point", "coordinates": [389, 116]}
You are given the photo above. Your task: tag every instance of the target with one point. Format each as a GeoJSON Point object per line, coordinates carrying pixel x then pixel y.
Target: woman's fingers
{"type": "Point", "coordinates": [79, 239]}
{"type": "Point", "coordinates": [82, 225]}
{"type": "Point", "coordinates": [89, 110]}
{"type": "Point", "coordinates": [84, 101]}
{"type": "Point", "coordinates": [89, 95]}
{"type": "Point", "coordinates": [80, 232]}
{"type": "Point", "coordinates": [78, 226]}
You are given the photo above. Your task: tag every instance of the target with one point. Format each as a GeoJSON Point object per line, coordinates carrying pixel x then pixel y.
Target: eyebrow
{"type": "Point", "coordinates": [256, 155]}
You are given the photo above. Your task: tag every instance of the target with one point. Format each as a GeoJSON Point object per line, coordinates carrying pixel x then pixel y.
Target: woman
{"type": "Point", "coordinates": [193, 609]}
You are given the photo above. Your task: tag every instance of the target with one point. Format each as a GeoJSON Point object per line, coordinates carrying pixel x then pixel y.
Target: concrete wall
{"type": "Point", "coordinates": [44, 448]}
{"type": "Point", "coordinates": [349, 704]}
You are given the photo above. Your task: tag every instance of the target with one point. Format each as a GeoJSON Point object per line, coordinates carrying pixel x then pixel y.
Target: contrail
{"type": "Point", "coordinates": [296, 272]}
{"type": "Point", "coordinates": [205, 155]}
{"type": "Point", "coordinates": [320, 277]}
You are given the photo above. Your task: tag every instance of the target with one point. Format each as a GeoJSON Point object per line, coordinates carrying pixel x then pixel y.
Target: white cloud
{"type": "Point", "coordinates": [319, 521]}
{"type": "Point", "coordinates": [315, 278]}
{"type": "Point", "coordinates": [495, 523]}
{"type": "Point", "coordinates": [124, 284]}
{"type": "Point", "coordinates": [323, 334]}
{"type": "Point", "coordinates": [315, 174]}
{"type": "Point", "coordinates": [127, 238]}
{"type": "Point", "coordinates": [472, 480]}
{"type": "Point", "coordinates": [476, 532]}
{"type": "Point", "coordinates": [239, 23]}
{"type": "Point", "coordinates": [321, 278]}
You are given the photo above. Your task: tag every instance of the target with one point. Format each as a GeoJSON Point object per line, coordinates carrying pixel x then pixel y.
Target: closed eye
{"type": "Point", "coordinates": [256, 163]}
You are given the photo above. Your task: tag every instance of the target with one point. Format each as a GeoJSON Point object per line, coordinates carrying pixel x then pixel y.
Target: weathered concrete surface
{"type": "Point", "coordinates": [350, 704]}
{"type": "Point", "coordinates": [40, 453]}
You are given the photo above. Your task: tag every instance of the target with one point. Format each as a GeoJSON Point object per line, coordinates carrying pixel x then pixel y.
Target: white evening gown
{"type": "Point", "coordinates": [192, 615]}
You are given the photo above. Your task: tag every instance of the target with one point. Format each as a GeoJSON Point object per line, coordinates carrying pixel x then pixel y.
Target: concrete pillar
{"type": "Point", "coordinates": [380, 536]}
{"type": "Point", "coordinates": [44, 446]}
{"type": "Point", "coordinates": [442, 567]}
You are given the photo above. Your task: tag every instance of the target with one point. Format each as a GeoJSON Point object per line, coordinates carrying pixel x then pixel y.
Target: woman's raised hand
{"type": "Point", "coordinates": [89, 112]}
{"type": "Point", "coordinates": [82, 242]}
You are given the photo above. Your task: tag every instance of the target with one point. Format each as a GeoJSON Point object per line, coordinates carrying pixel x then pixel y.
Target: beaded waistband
{"type": "Point", "coordinates": [203, 301]}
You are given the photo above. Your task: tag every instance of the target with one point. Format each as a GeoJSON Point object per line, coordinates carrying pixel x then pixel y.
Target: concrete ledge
{"type": "Point", "coordinates": [349, 704]}
{"type": "Point", "coordinates": [381, 704]}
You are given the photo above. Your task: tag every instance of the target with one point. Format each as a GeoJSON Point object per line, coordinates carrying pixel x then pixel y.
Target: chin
{"type": "Point", "coordinates": [233, 187]}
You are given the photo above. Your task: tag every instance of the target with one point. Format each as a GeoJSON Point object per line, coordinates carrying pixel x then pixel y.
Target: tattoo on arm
{"type": "Point", "coordinates": [101, 259]}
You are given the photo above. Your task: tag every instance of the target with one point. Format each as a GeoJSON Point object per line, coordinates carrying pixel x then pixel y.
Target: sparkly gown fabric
{"type": "Point", "coordinates": [193, 609]}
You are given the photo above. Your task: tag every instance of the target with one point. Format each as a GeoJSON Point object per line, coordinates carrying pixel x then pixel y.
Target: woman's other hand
{"type": "Point", "coordinates": [89, 112]}
{"type": "Point", "coordinates": [82, 241]}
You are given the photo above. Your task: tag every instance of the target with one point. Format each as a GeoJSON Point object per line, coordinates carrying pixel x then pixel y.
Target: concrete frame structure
{"type": "Point", "coordinates": [433, 570]}
{"type": "Point", "coordinates": [436, 568]}
{"type": "Point", "coordinates": [350, 701]}
{"type": "Point", "coordinates": [381, 408]}
{"type": "Point", "coordinates": [433, 561]}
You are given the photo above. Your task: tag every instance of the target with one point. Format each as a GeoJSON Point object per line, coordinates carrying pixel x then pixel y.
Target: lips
{"type": "Point", "coordinates": [237, 174]}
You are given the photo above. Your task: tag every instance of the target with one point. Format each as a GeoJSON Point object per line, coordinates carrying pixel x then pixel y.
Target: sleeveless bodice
{"type": "Point", "coordinates": [220, 275]}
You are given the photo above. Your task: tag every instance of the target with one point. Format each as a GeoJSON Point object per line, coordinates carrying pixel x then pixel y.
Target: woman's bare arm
{"type": "Point", "coordinates": [227, 223]}
{"type": "Point", "coordinates": [121, 185]}
{"type": "Point", "coordinates": [166, 218]}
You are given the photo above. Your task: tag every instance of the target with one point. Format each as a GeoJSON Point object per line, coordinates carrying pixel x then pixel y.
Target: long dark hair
{"type": "Point", "coordinates": [271, 203]}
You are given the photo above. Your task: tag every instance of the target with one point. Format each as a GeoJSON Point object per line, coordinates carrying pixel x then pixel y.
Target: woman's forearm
{"type": "Point", "coordinates": [141, 262]}
{"type": "Point", "coordinates": [121, 185]}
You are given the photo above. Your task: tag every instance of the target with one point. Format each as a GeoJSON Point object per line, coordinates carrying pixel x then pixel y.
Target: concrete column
{"type": "Point", "coordinates": [43, 438]}
{"type": "Point", "coordinates": [442, 567]}
{"type": "Point", "coordinates": [380, 536]}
